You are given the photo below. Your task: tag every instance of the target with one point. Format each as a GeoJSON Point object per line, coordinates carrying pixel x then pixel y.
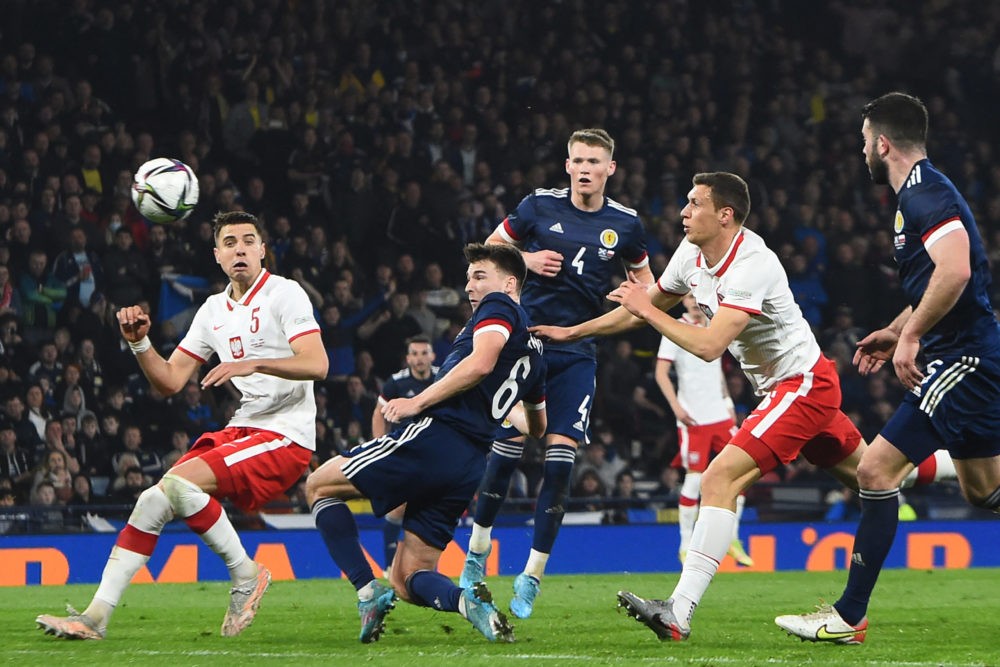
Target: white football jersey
{"type": "Point", "coordinates": [777, 343]}
{"type": "Point", "coordinates": [699, 382]}
{"type": "Point", "coordinates": [273, 312]}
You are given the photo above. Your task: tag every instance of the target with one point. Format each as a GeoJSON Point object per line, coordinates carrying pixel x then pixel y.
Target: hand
{"type": "Point", "coordinates": [633, 296]}
{"type": "Point", "coordinates": [904, 360]}
{"type": "Point", "coordinates": [545, 263]}
{"type": "Point", "coordinates": [226, 370]}
{"type": "Point", "coordinates": [874, 350]}
{"type": "Point", "coordinates": [399, 409]}
{"type": "Point", "coordinates": [681, 415]}
{"type": "Point", "coordinates": [134, 323]}
{"type": "Point", "coordinates": [553, 333]}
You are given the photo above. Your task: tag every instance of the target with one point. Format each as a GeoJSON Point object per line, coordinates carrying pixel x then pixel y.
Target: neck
{"type": "Point", "coordinates": [237, 289]}
{"type": "Point", "coordinates": [900, 168]}
{"type": "Point", "coordinates": [715, 249]}
{"type": "Point", "coordinates": [592, 202]}
{"type": "Point", "coordinates": [420, 375]}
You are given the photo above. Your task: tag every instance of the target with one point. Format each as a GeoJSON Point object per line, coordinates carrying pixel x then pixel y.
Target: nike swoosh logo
{"type": "Point", "coordinates": [823, 633]}
{"type": "Point", "coordinates": [216, 328]}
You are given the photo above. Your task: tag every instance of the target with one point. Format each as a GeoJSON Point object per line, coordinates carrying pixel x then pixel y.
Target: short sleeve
{"type": "Point", "coordinates": [635, 253]}
{"type": "Point", "coordinates": [294, 311]}
{"type": "Point", "coordinates": [518, 225]}
{"type": "Point", "coordinates": [935, 212]}
{"type": "Point", "coordinates": [197, 342]}
{"type": "Point", "coordinates": [672, 280]}
{"type": "Point", "coordinates": [668, 349]}
{"type": "Point", "coordinates": [750, 280]}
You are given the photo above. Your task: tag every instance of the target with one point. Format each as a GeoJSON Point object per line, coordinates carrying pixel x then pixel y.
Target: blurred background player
{"type": "Point", "coordinates": [419, 374]}
{"type": "Point", "coordinates": [434, 465]}
{"type": "Point", "coordinates": [268, 342]}
{"type": "Point", "coordinates": [574, 242]}
{"type": "Point", "coordinates": [705, 423]}
{"type": "Point", "coordinates": [954, 402]}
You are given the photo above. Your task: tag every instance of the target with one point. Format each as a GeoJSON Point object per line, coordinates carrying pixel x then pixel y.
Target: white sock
{"type": "Point", "coordinates": [939, 466]}
{"type": "Point", "coordinates": [480, 541]}
{"type": "Point", "coordinates": [205, 516]}
{"type": "Point", "coordinates": [536, 564]}
{"type": "Point", "coordinates": [741, 500]}
{"type": "Point", "coordinates": [709, 544]}
{"type": "Point", "coordinates": [687, 508]}
{"type": "Point", "coordinates": [151, 512]}
{"type": "Point", "coordinates": [367, 592]}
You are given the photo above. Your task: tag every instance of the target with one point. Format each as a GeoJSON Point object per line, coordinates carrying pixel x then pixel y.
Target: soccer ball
{"type": "Point", "coordinates": [165, 190]}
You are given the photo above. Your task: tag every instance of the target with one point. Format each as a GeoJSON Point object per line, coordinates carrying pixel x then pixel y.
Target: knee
{"type": "Point", "coordinates": [873, 477]}
{"type": "Point", "coordinates": [718, 487]}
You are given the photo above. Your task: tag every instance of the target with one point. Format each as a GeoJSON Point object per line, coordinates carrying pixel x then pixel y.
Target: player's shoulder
{"type": "Point", "coordinates": [400, 375]}
{"type": "Point", "coordinates": [619, 210]}
{"type": "Point", "coordinates": [550, 194]}
{"type": "Point", "coordinates": [752, 248]}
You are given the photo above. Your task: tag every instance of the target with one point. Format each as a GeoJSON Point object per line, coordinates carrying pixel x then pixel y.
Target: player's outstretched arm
{"type": "Point", "coordinates": [463, 376]}
{"type": "Point", "coordinates": [168, 376]}
{"type": "Point", "coordinates": [546, 263]}
{"type": "Point", "coordinates": [308, 362]}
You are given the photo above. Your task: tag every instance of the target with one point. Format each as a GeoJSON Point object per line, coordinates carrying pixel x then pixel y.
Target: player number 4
{"type": "Point", "coordinates": [504, 399]}
{"type": "Point", "coordinates": [578, 261]}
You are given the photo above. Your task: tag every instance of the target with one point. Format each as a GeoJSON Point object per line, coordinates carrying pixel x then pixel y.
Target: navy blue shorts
{"type": "Point", "coordinates": [569, 395]}
{"type": "Point", "coordinates": [428, 465]}
{"type": "Point", "coordinates": [957, 408]}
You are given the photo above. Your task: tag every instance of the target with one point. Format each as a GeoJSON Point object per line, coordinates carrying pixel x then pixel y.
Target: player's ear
{"type": "Point", "coordinates": [612, 167]}
{"type": "Point", "coordinates": [567, 165]}
{"type": "Point", "coordinates": [215, 251]}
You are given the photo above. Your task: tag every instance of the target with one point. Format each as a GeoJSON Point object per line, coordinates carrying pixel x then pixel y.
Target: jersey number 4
{"type": "Point", "coordinates": [578, 261]}
{"type": "Point", "coordinates": [503, 400]}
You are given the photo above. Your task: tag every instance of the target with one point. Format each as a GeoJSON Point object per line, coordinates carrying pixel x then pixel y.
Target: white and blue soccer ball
{"type": "Point", "coordinates": [164, 190]}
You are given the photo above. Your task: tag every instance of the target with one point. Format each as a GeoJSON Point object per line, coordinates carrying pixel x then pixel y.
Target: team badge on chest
{"type": "Point", "coordinates": [236, 347]}
{"type": "Point", "coordinates": [609, 238]}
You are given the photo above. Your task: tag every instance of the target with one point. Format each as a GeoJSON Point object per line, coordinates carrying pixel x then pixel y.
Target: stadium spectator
{"type": "Point", "coordinates": [42, 294]}
{"type": "Point", "coordinates": [16, 462]}
{"type": "Point", "coordinates": [53, 471]}
{"type": "Point", "coordinates": [147, 460]}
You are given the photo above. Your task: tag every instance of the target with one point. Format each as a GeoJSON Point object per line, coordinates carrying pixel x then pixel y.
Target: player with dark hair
{"type": "Point", "coordinates": [954, 389]}
{"type": "Point", "coordinates": [263, 330]}
{"type": "Point", "coordinates": [419, 373]}
{"type": "Point", "coordinates": [434, 464]}
{"type": "Point", "coordinates": [574, 242]}
{"type": "Point", "coordinates": [741, 286]}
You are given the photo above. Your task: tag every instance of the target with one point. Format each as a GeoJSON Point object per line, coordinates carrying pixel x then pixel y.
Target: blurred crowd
{"type": "Point", "coordinates": [375, 138]}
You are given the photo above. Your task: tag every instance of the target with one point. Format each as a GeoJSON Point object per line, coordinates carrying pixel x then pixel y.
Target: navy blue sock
{"type": "Point", "coordinates": [876, 532]}
{"type": "Point", "coordinates": [340, 532]}
{"type": "Point", "coordinates": [390, 539]}
{"type": "Point", "coordinates": [500, 467]}
{"type": "Point", "coordinates": [434, 590]}
{"type": "Point", "coordinates": [549, 510]}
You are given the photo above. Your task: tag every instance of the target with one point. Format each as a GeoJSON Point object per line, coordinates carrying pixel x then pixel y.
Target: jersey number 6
{"type": "Point", "coordinates": [503, 400]}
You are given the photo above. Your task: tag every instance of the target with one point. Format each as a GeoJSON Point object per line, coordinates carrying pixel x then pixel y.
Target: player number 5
{"type": "Point", "coordinates": [504, 399]}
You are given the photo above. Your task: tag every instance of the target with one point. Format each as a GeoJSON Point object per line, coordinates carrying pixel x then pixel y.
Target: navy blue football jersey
{"type": "Point", "coordinates": [402, 384]}
{"type": "Point", "coordinates": [519, 372]}
{"type": "Point", "coordinates": [593, 245]}
{"type": "Point", "coordinates": [929, 207]}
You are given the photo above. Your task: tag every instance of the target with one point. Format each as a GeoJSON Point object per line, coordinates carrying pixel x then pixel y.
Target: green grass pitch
{"type": "Point", "coordinates": [918, 618]}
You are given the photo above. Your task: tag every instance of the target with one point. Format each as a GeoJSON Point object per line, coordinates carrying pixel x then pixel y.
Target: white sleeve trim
{"type": "Point", "coordinates": [504, 235]}
{"type": "Point", "coordinates": [534, 407]}
{"type": "Point", "coordinates": [493, 327]}
{"type": "Point", "coordinates": [941, 232]}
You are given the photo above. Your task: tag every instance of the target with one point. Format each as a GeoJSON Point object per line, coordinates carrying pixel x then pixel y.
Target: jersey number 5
{"type": "Point", "coordinates": [503, 400]}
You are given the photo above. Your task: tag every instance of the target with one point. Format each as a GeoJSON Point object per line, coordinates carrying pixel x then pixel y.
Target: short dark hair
{"type": "Point", "coordinates": [235, 218]}
{"type": "Point", "coordinates": [419, 338]}
{"type": "Point", "coordinates": [593, 136]}
{"type": "Point", "coordinates": [506, 258]}
{"type": "Point", "coordinates": [901, 117]}
{"type": "Point", "coordinates": [728, 190]}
